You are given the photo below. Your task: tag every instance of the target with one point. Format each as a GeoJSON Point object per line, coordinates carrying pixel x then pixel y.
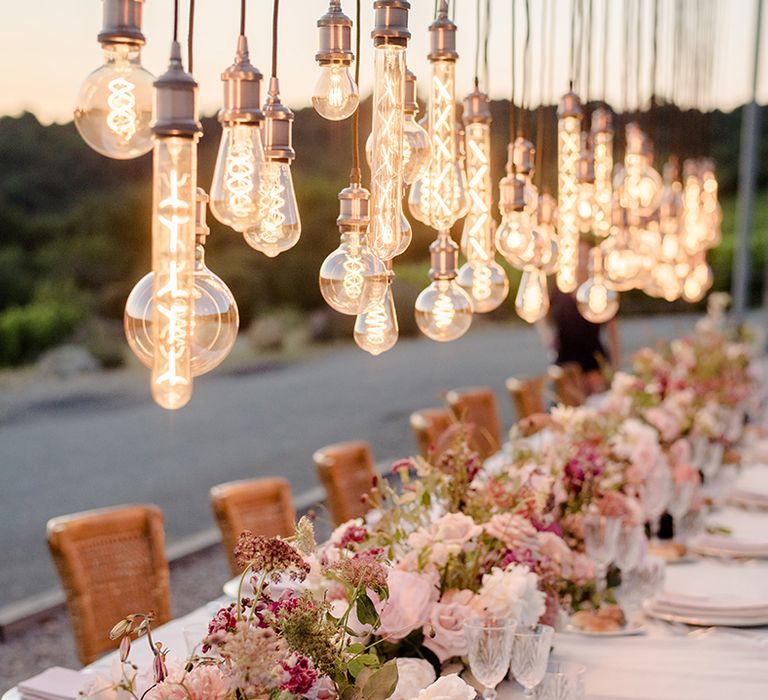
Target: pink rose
{"type": "Point", "coordinates": [444, 631]}
{"type": "Point", "coordinates": [554, 547]}
{"type": "Point", "coordinates": [514, 531]}
{"type": "Point", "coordinates": [411, 597]}
{"type": "Point", "coordinates": [455, 529]}
{"type": "Point", "coordinates": [665, 421]}
{"type": "Point", "coordinates": [583, 569]}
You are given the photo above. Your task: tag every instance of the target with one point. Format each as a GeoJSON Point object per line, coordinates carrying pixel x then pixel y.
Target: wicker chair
{"type": "Point", "coordinates": [478, 407]}
{"type": "Point", "coordinates": [347, 473]}
{"type": "Point", "coordinates": [568, 383]}
{"type": "Point", "coordinates": [527, 395]}
{"type": "Point", "coordinates": [428, 425]}
{"type": "Point", "coordinates": [264, 506]}
{"type": "Point", "coordinates": [111, 563]}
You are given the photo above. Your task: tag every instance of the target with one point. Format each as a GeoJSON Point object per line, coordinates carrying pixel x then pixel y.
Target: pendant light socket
{"type": "Point", "coordinates": [176, 101]}
{"type": "Point", "coordinates": [391, 23]}
{"type": "Point", "coordinates": [242, 89]}
{"type": "Point", "coordinates": [277, 128]}
{"type": "Point", "coordinates": [335, 37]}
{"type": "Point", "coordinates": [122, 23]}
{"type": "Point", "coordinates": [477, 108]}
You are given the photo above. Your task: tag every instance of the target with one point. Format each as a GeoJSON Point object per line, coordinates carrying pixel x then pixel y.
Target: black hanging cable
{"type": "Point", "coordinates": [512, 95]}
{"type": "Point", "coordinates": [606, 23]}
{"type": "Point", "coordinates": [638, 52]}
{"type": "Point", "coordinates": [539, 156]}
{"type": "Point", "coordinates": [190, 35]}
{"type": "Point", "coordinates": [477, 45]}
{"type": "Point", "coordinates": [355, 175]}
{"type": "Point", "coordinates": [525, 98]}
{"type": "Point", "coordinates": [486, 38]}
{"type": "Point", "coordinates": [577, 46]}
{"type": "Point", "coordinates": [275, 13]}
{"type": "Point", "coordinates": [176, 20]}
{"type": "Point", "coordinates": [573, 45]}
{"type": "Point", "coordinates": [588, 53]}
{"type": "Point", "coordinates": [242, 17]}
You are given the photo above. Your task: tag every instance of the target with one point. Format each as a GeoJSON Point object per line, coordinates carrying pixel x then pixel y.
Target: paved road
{"type": "Point", "coordinates": [100, 441]}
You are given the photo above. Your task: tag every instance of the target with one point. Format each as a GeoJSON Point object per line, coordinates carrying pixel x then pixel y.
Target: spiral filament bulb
{"type": "Point", "coordinates": [271, 203]}
{"type": "Point", "coordinates": [122, 108]}
{"type": "Point", "coordinates": [241, 165]}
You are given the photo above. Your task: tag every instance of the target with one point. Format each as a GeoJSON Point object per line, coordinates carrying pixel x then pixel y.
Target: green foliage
{"type": "Point", "coordinates": [25, 331]}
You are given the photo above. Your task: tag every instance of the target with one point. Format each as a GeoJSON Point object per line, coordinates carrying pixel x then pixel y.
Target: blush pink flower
{"type": "Point", "coordinates": [444, 631]}
{"type": "Point", "coordinates": [514, 531]}
{"type": "Point", "coordinates": [411, 597]}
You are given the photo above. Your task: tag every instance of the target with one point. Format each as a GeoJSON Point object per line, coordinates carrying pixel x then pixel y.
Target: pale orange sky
{"type": "Point", "coordinates": [47, 47]}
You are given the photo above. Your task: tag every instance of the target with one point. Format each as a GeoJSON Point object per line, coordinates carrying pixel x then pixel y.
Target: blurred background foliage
{"type": "Point", "coordinates": [75, 227]}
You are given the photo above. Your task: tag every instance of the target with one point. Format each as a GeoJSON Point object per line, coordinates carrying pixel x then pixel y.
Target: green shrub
{"type": "Point", "coordinates": [26, 331]}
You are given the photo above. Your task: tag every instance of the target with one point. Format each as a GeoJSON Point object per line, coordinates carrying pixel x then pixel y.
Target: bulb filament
{"type": "Point", "coordinates": [444, 311]}
{"type": "Point", "coordinates": [271, 203]}
{"type": "Point", "coordinates": [239, 175]}
{"type": "Point", "coordinates": [122, 105]}
{"type": "Point", "coordinates": [569, 145]}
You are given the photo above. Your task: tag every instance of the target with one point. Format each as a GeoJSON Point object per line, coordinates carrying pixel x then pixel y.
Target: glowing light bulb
{"type": "Point", "coordinates": [239, 164]}
{"type": "Point", "coordinates": [586, 205]}
{"type": "Point", "coordinates": [532, 299]}
{"type": "Point", "coordinates": [347, 274]}
{"type": "Point", "coordinates": [279, 224]}
{"type": "Point", "coordinates": [568, 152]}
{"type": "Point", "coordinates": [376, 329]}
{"type": "Point", "coordinates": [114, 106]}
{"type": "Point", "coordinates": [515, 237]}
{"type": "Point", "coordinates": [710, 206]}
{"type": "Point", "coordinates": [416, 147]}
{"type": "Point", "coordinates": [699, 280]}
{"type": "Point", "coordinates": [641, 188]}
{"type": "Point", "coordinates": [596, 301]}
{"type": "Point", "coordinates": [547, 249]}
{"type": "Point", "coordinates": [602, 139]}
{"type": "Point", "coordinates": [176, 132]}
{"type": "Point", "coordinates": [520, 161]}
{"type": "Point", "coordinates": [443, 309]}
{"type": "Point", "coordinates": [335, 95]}
{"type": "Point", "coordinates": [215, 318]}
{"type": "Point", "coordinates": [481, 276]}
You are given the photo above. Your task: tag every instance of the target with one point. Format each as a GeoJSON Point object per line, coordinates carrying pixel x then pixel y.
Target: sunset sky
{"type": "Point", "coordinates": [47, 48]}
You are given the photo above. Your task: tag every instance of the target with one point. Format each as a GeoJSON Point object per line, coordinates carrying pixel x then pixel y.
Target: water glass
{"type": "Point", "coordinates": [564, 680]}
{"type": "Point", "coordinates": [489, 647]}
{"type": "Point", "coordinates": [631, 548]}
{"type": "Point", "coordinates": [680, 502]}
{"type": "Point", "coordinates": [656, 493]}
{"type": "Point", "coordinates": [601, 537]}
{"type": "Point", "coordinates": [640, 584]}
{"type": "Point", "coordinates": [530, 654]}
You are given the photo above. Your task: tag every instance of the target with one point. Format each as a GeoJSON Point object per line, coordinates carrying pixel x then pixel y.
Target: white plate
{"type": "Point", "coordinates": [713, 619]}
{"type": "Point", "coordinates": [759, 552]}
{"type": "Point", "coordinates": [275, 589]}
{"type": "Point", "coordinates": [631, 630]}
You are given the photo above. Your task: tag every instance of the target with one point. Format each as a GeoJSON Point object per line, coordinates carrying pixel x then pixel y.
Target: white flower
{"type": "Point", "coordinates": [413, 675]}
{"type": "Point", "coordinates": [512, 593]}
{"type": "Point", "coordinates": [360, 632]}
{"type": "Point", "coordinates": [449, 687]}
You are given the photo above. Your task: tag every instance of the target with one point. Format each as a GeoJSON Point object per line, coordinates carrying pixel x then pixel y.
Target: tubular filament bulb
{"type": "Point", "coordinates": [122, 105]}
{"type": "Point", "coordinates": [569, 145]}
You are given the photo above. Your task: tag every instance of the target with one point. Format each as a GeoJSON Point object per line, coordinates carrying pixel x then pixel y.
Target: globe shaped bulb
{"type": "Point", "coordinates": [532, 299]}
{"type": "Point", "coordinates": [416, 150]}
{"type": "Point", "coordinates": [114, 107]}
{"type": "Point", "coordinates": [347, 274]}
{"type": "Point", "coordinates": [666, 281]}
{"type": "Point", "coordinates": [443, 311]}
{"type": "Point", "coordinates": [642, 186]}
{"type": "Point", "coordinates": [335, 95]}
{"type": "Point", "coordinates": [596, 301]}
{"type": "Point", "coordinates": [487, 285]}
{"type": "Point", "coordinates": [376, 329]}
{"type": "Point", "coordinates": [279, 224]}
{"type": "Point", "coordinates": [698, 283]}
{"type": "Point", "coordinates": [547, 250]}
{"type": "Point", "coordinates": [622, 265]}
{"type": "Point", "coordinates": [215, 321]}
{"type": "Point", "coordinates": [516, 239]}
{"type": "Point", "coordinates": [585, 207]}
{"type": "Point", "coordinates": [237, 177]}
{"type": "Point", "coordinates": [417, 199]}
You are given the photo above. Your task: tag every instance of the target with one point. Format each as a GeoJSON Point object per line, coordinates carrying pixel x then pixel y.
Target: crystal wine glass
{"type": "Point", "coordinates": [530, 653]}
{"type": "Point", "coordinates": [631, 548]}
{"type": "Point", "coordinates": [489, 647]}
{"type": "Point", "coordinates": [640, 584]}
{"type": "Point", "coordinates": [564, 680]}
{"type": "Point", "coordinates": [601, 537]}
{"type": "Point", "coordinates": [679, 503]}
{"type": "Point", "coordinates": [656, 493]}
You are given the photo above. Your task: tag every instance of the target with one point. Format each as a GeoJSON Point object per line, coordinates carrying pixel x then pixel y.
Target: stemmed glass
{"type": "Point", "coordinates": [489, 647]}
{"type": "Point", "coordinates": [656, 494]}
{"type": "Point", "coordinates": [530, 653]}
{"type": "Point", "coordinates": [601, 537]}
{"type": "Point", "coordinates": [564, 680]}
{"type": "Point", "coordinates": [639, 584]}
{"type": "Point", "coordinates": [679, 503]}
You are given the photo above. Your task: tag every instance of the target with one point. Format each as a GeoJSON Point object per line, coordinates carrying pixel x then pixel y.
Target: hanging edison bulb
{"type": "Point", "coordinates": [622, 263]}
{"type": "Point", "coordinates": [237, 175]}
{"type": "Point", "coordinates": [694, 221]}
{"type": "Point", "coordinates": [174, 179]}
{"type": "Point", "coordinates": [215, 317]}
{"type": "Point", "coordinates": [481, 276]}
{"type": "Point", "coordinates": [462, 201]}
{"type": "Point", "coordinates": [521, 154]}
{"type": "Point", "coordinates": [279, 224]}
{"type": "Point", "coordinates": [515, 237]}
{"type": "Point", "coordinates": [596, 301]}
{"type": "Point", "coordinates": [548, 250]}
{"type": "Point", "coordinates": [648, 246]}
{"type": "Point", "coordinates": [602, 145]}
{"type": "Point", "coordinates": [416, 147]}
{"type": "Point", "coordinates": [335, 95]}
{"type": "Point", "coordinates": [569, 115]}
{"type": "Point", "coordinates": [114, 106]}
{"type": "Point", "coordinates": [347, 273]}
{"type": "Point", "coordinates": [641, 187]}
{"type": "Point", "coordinates": [699, 280]}
{"type": "Point", "coordinates": [376, 329]}
{"type": "Point", "coordinates": [390, 38]}
{"type": "Point", "coordinates": [532, 299]}
{"type": "Point", "coordinates": [443, 310]}
{"type": "Point", "coordinates": [586, 204]}
{"type": "Point", "coordinates": [710, 206]}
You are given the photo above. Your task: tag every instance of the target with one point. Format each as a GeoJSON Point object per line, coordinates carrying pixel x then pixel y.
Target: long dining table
{"type": "Point", "coordinates": [669, 661]}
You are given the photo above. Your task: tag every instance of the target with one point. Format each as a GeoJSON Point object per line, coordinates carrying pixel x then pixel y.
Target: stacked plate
{"type": "Point", "coordinates": [751, 490]}
{"type": "Point", "coordinates": [709, 611]}
{"type": "Point", "coordinates": [729, 546]}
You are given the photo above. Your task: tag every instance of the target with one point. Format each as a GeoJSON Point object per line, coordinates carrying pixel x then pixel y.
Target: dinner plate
{"type": "Point", "coordinates": [720, 547]}
{"type": "Point", "coordinates": [275, 589]}
{"type": "Point", "coordinates": [708, 619]}
{"type": "Point", "coordinates": [630, 630]}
